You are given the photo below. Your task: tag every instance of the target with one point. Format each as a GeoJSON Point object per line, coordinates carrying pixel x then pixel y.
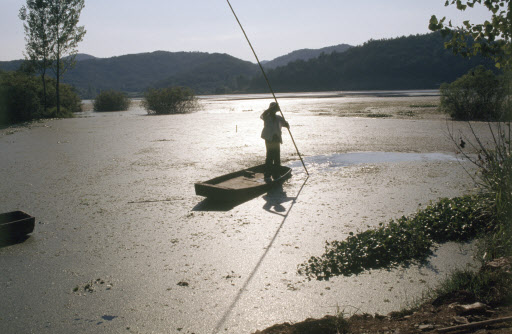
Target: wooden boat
{"type": "Point", "coordinates": [15, 224]}
{"type": "Point", "coordinates": [240, 185]}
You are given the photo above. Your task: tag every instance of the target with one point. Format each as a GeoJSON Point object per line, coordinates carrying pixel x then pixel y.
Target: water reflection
{"type": "Point", "coordinates": [323, 162]}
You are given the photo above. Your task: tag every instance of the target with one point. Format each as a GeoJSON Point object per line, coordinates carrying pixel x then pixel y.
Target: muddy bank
{"type": "Point", "coordinates": [114, 201]}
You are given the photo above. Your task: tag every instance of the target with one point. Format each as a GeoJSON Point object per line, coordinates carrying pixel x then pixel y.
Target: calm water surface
{"type": "Point", "coordinates": [114, 200]}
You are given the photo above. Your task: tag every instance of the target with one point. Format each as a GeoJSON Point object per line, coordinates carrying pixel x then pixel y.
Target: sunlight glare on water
{"type": "Point", "coordinates": [324, 162]}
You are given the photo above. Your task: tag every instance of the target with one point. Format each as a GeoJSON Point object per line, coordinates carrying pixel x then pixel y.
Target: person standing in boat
{"type": "Point", "coordinates": [272, 125]}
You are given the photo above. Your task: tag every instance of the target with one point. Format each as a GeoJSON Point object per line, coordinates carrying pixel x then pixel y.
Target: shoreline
{"type": "Point", "coordinates": [327, 94]}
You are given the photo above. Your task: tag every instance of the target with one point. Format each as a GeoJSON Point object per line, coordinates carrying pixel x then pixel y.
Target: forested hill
{"type": "Point", "coordinates": [304, 54]}
{"type": "Point", "coordinates": [14, 65]}
{"type": "Point", "coordinates": [203, 72]}
{"type": "Point", "coordinates": [206, 73]}
{"type": "Point", "coordinates": [414, 62]}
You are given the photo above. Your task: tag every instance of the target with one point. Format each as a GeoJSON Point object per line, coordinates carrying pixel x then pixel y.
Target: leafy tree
{"type": "Point", "coordinates": [491, 38]}
{"type": "Point", "coordinates": [478, 95]}
{"type": "Point", "coordinates": [52, 35]}
{"type": "Point", "coordinates": [19, 101]}
{"type": "Point", "coordinates": [21, 97]}
{"type": "Point", "coordinates": [37, 36]}
{"type": "Point", "coordinates": [171, 100]}
{"type": "Point", "coordinates": [65, 34]}
{"type": "Point", "coordinates": [69, 100]}
{"type": "Point", "coordinates": [111, 101]}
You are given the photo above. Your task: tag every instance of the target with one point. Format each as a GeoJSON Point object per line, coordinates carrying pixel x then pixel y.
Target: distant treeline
{"type": "Point", "coordinates": [133, 74]}
{"type": "Point", "coordinates": [304, 54]}
{"type": "Point", "coordinates": [414, 62]}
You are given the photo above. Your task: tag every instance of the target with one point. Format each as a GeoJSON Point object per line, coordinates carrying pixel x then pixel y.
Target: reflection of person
{"type": "Point", "coordinates": [272, 125]}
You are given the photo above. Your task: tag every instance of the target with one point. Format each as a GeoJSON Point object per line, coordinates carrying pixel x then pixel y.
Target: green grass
{"type": "Point", "coordinates": [491, 287]}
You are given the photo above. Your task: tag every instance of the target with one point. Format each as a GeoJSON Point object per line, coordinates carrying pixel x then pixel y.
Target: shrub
{"type": "Point", "coordinates": [21, 98]}
{"type": "Point", "coordinates": [18, 98]}
{"type": "Point", "coordinates": [477, 95]}
{"type": "Point", "coordinates": [172, 100]}
{"type": "Point", "coordinates": [111, 100]}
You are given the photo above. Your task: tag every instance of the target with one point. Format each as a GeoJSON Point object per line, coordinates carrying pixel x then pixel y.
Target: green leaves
{"type": "Point", "coordinates": [434, 24]}
{"type": "Point", "coordinates": [498, 29]}
{"type": "Point", "coordinates": [461, 6]}
{"type": "Point", "coordinates": [477, 95]}
{"type": "Point", "coordinates": [171, 100]}
{"type": "Point", "coordinates": [403, 241]}
{"type": "Point", "coordinates": [111, 100]}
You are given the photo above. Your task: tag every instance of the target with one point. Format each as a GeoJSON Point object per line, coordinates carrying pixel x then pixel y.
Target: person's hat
{"type": "Point", "coordinates": [272, 105]}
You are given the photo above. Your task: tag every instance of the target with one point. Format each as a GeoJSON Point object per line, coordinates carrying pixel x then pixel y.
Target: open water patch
{"type": "Point", "coordinates": [322, 162]}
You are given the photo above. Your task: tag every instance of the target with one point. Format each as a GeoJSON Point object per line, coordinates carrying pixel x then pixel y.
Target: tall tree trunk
{"type": "Point", "coordinates": [58, 82]}
{"type": "Point", "coordinates": [43, 78]}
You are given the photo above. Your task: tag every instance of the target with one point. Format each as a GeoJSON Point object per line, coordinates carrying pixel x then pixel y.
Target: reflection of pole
{"type": "Point", "coordinates": [243, 289]}
{"type": "Point", "coordinates": [268, 83]}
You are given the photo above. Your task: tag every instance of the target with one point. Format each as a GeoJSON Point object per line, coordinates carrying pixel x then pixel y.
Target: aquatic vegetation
{"type": "Point", "coordinates": [426, 105]}
{"type": "Point", "coordinates": [171, 100]}
{"type": "Point", "coordinates": [402, 241]}
{"type": "Point", "coordinates": [409, 113]}
{"type": "Point", "coordinates": [111, 100]}
{"type": "Point", "coordinates": [378, 115]}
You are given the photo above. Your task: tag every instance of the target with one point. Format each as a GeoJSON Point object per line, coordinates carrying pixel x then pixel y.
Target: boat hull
{"type": "Point", "coordinates": [240, 185]}
{"type": "Point", "coordinates": [15, 224]}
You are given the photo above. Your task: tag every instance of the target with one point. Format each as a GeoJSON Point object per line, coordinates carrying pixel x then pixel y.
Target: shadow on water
{"type": "Point", "coordinates": [212, 205]}
{"type": "Point", "coordinates": [5, 242]}
{"type": "Point", "coordinates": [274, 200]}
{"type": "Point", "coordinates": [274, 197]}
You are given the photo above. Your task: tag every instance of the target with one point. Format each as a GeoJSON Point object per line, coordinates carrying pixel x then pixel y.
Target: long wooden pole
{"type": "Point", "coordinates": [268, 83]}
{"type": "Point", "coordinates": [474, 325]}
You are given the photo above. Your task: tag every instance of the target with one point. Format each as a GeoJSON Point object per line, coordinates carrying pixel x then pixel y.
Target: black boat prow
{"type": "Point", "coordinates": [15, 226]}
{"type": "Point", "coordinates": [241, 185]}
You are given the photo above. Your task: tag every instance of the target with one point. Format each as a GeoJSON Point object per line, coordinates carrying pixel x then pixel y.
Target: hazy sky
{"type": "Point", "coordinates": [275, 27]}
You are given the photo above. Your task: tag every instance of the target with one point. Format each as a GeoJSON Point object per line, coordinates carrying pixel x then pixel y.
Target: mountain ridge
{"type": "Point", "coordinates": [407, 62]}
{"type": "Point", "coordinates": [304, 54]}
